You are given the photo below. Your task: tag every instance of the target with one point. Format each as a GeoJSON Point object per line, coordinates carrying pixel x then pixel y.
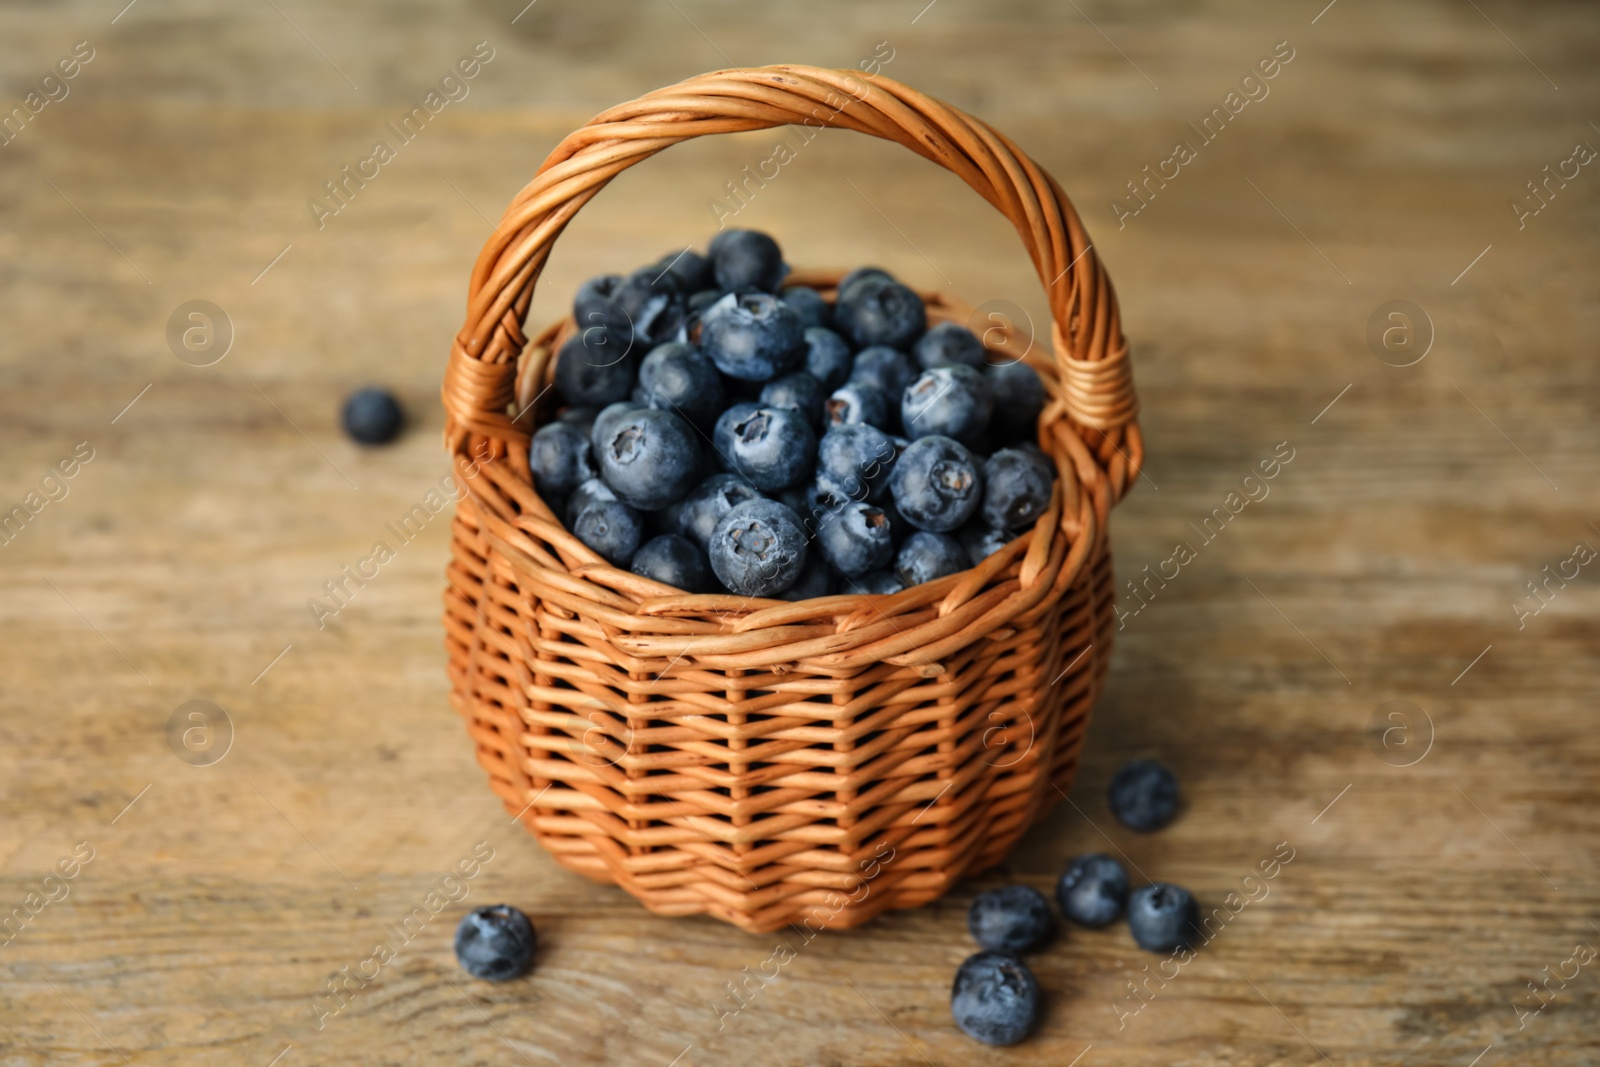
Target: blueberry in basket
{"type": "Point", "coordinates": [724, 427]}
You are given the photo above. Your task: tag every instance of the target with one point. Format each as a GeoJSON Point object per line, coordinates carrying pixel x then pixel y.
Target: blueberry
{"type": "Point", "coordinates": [814, 581]}
{"type": "Point", "coordinates": [673, 560]}
{"type": "Point", "coordinates": [752, 336]}
{"type": "Point", "coordinates": [883, 582]}
{"type": "Point", "coordinates": [949, 401]}
{"type": "Point", "coordinates": [936, 484]}
{"type": "Point", "coordinates": [705, 505]}
{"type": "Point", "coordinates": [587, 492]}
{"type": "Point", "coordinates": [758, 548]}
{"type": "Point", "coordinates": [1016, 489]}
{"type": "Point", "coordinates": [1012, 919]}
{"type": "Point", "coordinates": [772, 448]}
{"type": "Point", "coordinates": [592, 369]}
{"type": "Point", "coordinates": [828, 358]}
{"type": "Point", "coordinates": [692, 270]}
{"type": "Point", "coordinates": [855, 538]}
{"type": "Point", "coordinates": [582, 417]}
{"type": "Point", "coordinates": [609, 416]}
{"type": "Point", "coordinates": [649, 457]}
{"type": "Point", "coordinates": [994, 998]}
{"type": "Point", "coordinates": [594, 305]}
{"type": "Point", "coordinates": [797, 391]}
{"type": "Point", "coordinates": [809, 305]}
{"type": "Point", "coordinates": [699, 301]}
{"type": "Point", "coordinates": [678, 377]}
{"type": "Point", "coordinates": [1143, 795]}
{"type": "Point", "coordinates": [887, 369]}
{"type": "Point", "coordinates": [856, 402]}
{"type": "Point", "coordinates": [649, 307]}
{"type": "Point", "coordinates": [495, 943]}
{"type": "Point", "coordinates": [1093, 890]}
{"type": "Point", "coordinates": [856, 459]}
{"type": "Point", "coordinates": [372, 416]}
{"type": "Point", "coordinates": [926, 556]}
{"type": "Point", "coordinates": [862, 274]}
{"type": "Point", "coordinates": [873, 311]}
{"type": "Point", "coordinates": [981, 540]}
{"type": "Point", "coordinates": [610, 527]}
{"type": "Point", "coordinates": [1163, 917]}
{"type": "Point", "coordinates": [561, 459]}
{"type": "Point", "coordinates": [1019, 399]}
{"type": "Point", "coordinates": [948, 343]}
{"type": "Point", "coordinates": [747, 259]}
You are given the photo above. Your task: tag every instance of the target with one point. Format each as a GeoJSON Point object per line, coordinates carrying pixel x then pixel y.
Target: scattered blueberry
{"type": "Point", "coordinates": [856, 459]}
{"type": "Point", "coordinates": [926, 556]}
{"type": "Point", "coordinates": [1093, 890]}
{"type": "Point", "coordinates": [1143, 795]}
{"type": "Point", "coordinates": [948, 343]}
{"type": "Point", "coordinates": [495, 943]}
{"type": "Point", "coordinates": [856, 402]}
{"type": "Point", "coordinates": [873, 311]}
{"type": "Point", "coordinates": [855, 538]}
{"type": "Point", "coordinates": [673, 560]}
{"type": "Point", "coordinates": [592, 369]}
{"type": "Point", "coordinates": [1012, 919]}
{"type": "Point", "coordinates": [1163, 917]}
{"type": "Point", "coordinates": [1016, 489]}
{"type": "Point", "coordinates": [808, 304]}
{"type": "Point", "coordinates": [747, 259]}
{"type": "Point", "coordinates": [649, 457]}
{"type": "Point", "coordinates": [678, 377]}
{"type": "Point", "coordinates": [994, 998]}
{"type": "Point", "coordinates": [560, 457]}
{"type": "Point", "coordinates": [705, 505]}
{"type": "Point", "coordinates": [948, 401]}
{"type": "Point", "coordinates": [1018, 399]}
{"type": "Point", "coordinates": [797, 391]}
{"type": "Point", "coordinates": [981, 541]}
{"type": "Point", "coordinates": [610, 527]}
{"type": "Point", "coordinates": [372, 416]}
{"type": "Point", "coordinates": [828, 357]}
{"type": "Point", "coordinates": [758, 548]}
{"type": "Point", "coordinates": [936, 484]}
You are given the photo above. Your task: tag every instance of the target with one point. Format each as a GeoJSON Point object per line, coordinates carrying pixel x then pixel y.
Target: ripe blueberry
{"type": "Point", "coordinates": [1012, 919]}
{"type": "Point", "coordinates": [592, 369]}
{"type": "Point", "coordinates": [758, 548]}
{"type": "Point", "coordinates": [926, 556]}
{"type": "Point", "coordinates": [705, 505]}
{"type": "Point", "coordinates": [678, 377]}
{"type": "Point", "coordinates": [981, 540]}
{"type": "Point", "coordinates": [673, 560]}
{"type": "Point", "coordinates": [372, 416]}
{"type": "Point", "coordinates": [752, 336]}
{"type": "Point", "coordinates": [887, 369]}
{"type": "Point", "coordinates": [1143, 795]}
{"type": "Point", "coordinates": [772, 448]}
{"type": "Point", "coordinates": [873, 311]}
{"type": "Point", "coordinates": [994, 998]}
{"type": "Point", "coordinates": [949, 401]}
{"type": "Point", "coordinates": [1093, 890]}
{"type": "Point", "coordinates": [856, 402]}
{"type": "Point", "coordinates": [855, 538]}
{"type": "Point", "coordinates": [747, 259]}
{"type": "Point", "coordinates": [948, 343]}
{"type": "Point", "coordinates": [809, 305]}
{"type": "Point", "coordinates": [1019, 398]}
{"type": "Point", "coordinates": [649, 458]}
{"type": "Point", "coordinates": [881, 582]}
{"type": "Point", "coordinates": [560, 458]}
{"type": "Point", "coordinates": [610, 527]}
{"type": "Point", "coordinates": [856, 459]}
{"type": "Point", "coordinates": [797, 391]}
{"type": "Point", "coordinates": [814, 581]}
{"type": "Point", "coordinates": [692, 270]}
{"type": "Point", "coordinates": [1016, 489]}
{"type": "Point", "coordinates": [1163, 917]}
{"type": "Point", "coordinates": [828, 358]}
{"type": "Point", "coordinates": [936, 484]}
{"type": "Point", "coordinates": [495, 943]}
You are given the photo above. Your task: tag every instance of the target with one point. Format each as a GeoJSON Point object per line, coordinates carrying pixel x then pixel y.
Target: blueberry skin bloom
{"type": "Point", "coordinates": [809, 305]}
{"type": "Point", "coordinates": [873, 311]}
{"type": "Point", "coordinates": [887, 369]}
{"type": "Point", "coordinates": [649, 458]}
{"type": "Point", "coordinates": [1143, 795]}
{"type": "Point", "coordinates": [927, 556]}
{"type": "Point", "coordinates": [592, 369]}
{"type": "Point", "coordinates": [856, 459]}
{"type": "Point", "coordinates": [1019, 399]}
{"type": "Point", "coordinates": [981, 541]}
{"type": "Point", "coordinates": [605, 419]}
{"type": "Point", "coordinates": [1093, 890]}
{"type": "Point", "coordinates": [936, 484]}
{"type": "Point", "coordinates": [773, 448]}
{"type": "Point", "coordinates": [495, 943]}
{"type": "Point", "coordinates": [994, 998]}
{"type": "Point", "coordinates": [705, 505]}
{"type": "Point", "coordinates": [816, 580]}
{"type": "Point", "coordinates": [856, 402]}
{"type": "Point", "coordinates": [855, 538]}
{"type": "Point", "coordinates": [610, 527]}
{"type": "Point", "coordinates": [649, 309]}
{"type": "Point", "coordinates": [561, 459]}
{"type": "Point", "coordinates": [879, 582]}
{"type": "Point", "coordinates": [797, 391]}
{"type": "Point", "coordinates": [678, 377]}
{"type": "Point", "coordinates": [758, 548]}
{"type": "Point", "coordinates": [1163, 917]}
{"type": "Point", "coordinates": [828, 358]}
{"type": "Point", "coordinates": [1016, 489]}
{"type": "Point", "coordinates": [723, 433]}
{"type": "Point", "coordinates": [949, 401]}
{"type": "Point", "coordinates": [949, 343]}
{"type": "Point", "coordinates": [752, 336]}
{"type": "Point", "coordinates": [1012, 919]}
{"type": "Point", "coordinates": [747, 259]}
{"type": "Point", "coordinates": [372, 416]}
{"type": "Point", "coordinates": [673, 560]}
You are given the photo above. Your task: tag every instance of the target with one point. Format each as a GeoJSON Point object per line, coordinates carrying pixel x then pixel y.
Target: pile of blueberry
{"type": "Point", "coordinates": [723, 432]}
{"type": "Point", "coordinates": [995, 997]}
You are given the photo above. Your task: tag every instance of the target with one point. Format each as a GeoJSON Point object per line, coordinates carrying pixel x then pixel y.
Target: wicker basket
{"type": "Point", "coordinates": [760, 761]}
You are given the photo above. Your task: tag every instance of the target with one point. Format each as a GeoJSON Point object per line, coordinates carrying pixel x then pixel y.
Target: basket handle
{"type": "Point", "coordinates": [1094, 380]}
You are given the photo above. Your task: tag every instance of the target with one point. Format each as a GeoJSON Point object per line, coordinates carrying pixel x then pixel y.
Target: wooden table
{"type": "Point", "coordinates": [1442, 860]}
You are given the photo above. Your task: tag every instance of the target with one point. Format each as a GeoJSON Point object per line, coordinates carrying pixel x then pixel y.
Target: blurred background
{"type": "Point", "coordinates": [1381, 260]}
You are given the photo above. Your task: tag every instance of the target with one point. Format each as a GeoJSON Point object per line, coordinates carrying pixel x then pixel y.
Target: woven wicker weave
{"type": "Point", "coordinates": [760, 761]}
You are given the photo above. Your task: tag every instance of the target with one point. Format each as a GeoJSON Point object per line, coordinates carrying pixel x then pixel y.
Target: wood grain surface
{"type": "Point", "coordinates": [1351, 672]}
